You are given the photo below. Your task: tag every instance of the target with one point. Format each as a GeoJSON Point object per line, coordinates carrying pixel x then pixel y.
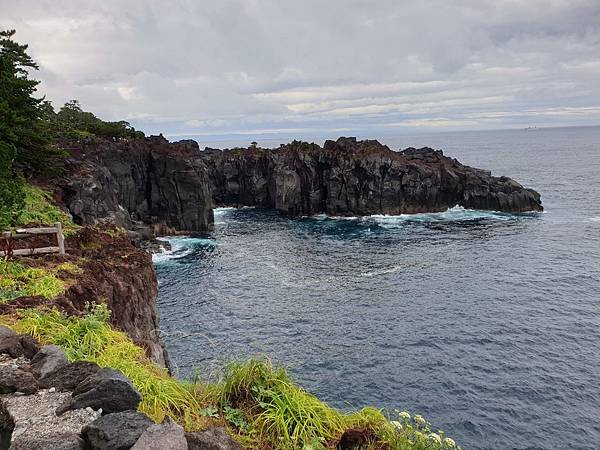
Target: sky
{"type": "Point", "coordinates": [257, 68]}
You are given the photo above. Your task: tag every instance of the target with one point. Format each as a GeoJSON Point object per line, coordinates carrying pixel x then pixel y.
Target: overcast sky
{"type": "Point", "coordinates": [317, 67]}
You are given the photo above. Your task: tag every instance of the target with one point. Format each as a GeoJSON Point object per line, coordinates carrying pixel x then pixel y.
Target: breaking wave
{"type": "Point", "coordinates": [181, 246]}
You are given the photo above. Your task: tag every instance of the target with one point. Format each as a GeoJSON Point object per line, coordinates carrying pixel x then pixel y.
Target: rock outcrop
{"type": "Point", "coordinates": [173, 186]}
{"type": "Point", "coordinates": [111, 271]}
{"type": "Point", "coordinates": [147, 180]}
{"type": "Point", "coordinates": [350, 177]}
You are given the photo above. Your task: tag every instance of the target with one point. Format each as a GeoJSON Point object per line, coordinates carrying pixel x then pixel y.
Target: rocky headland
{"type": "Point", "coordinates": [174, 186]}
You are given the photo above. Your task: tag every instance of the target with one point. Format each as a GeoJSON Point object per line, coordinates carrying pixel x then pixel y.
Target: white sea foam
{"type": "Point", "coordinates": [457, 213]}
{"type": "Point", "coordinates": [180, 246]}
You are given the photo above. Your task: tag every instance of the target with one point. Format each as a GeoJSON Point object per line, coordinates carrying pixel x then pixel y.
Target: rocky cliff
{"type": "Point", "coordinates": [147, 180]}
{"type": "Point", "coordinates": [173, 186]}
{"type": "Point", "coordinates": [350, 177]}
{"type": "Point", "coordinates": [109, 269]}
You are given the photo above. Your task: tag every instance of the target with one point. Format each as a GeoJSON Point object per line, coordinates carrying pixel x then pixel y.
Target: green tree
{"type": "Point", "coordinates": [72, 122]}
{"type": "Point", "coordinates": [24, 138]}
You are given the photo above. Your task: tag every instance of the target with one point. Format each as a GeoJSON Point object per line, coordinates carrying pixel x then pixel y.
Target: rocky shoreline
{"type": "Point", "coordinates": [151, 187]}
{"type": "Point", "coordinates": [155, 187]}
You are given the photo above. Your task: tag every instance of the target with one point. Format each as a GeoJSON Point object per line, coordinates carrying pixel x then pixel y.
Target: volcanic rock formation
{"type": "Point", "coordinates": [350, 177]}
{"type": "Point", "coordinates": [173, 186]}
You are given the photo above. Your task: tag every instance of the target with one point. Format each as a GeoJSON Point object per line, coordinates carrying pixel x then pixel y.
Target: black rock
{"type": "Point", "coordinates": [108, 389]}
{"type": "Point", "coordinates": [47, 360]}
{"type": "Point", "coordinates": [68, 377]}
{"type": "Point", "coordinates": [162, 436]}
{"type": "Point", "coordinates": [17, 345]}
{"type": "Point", "coordinates": [6, 332]}
{"type": "Point", "coordinates": [14, 379]}
{"type": "Point", "coordinates": [213, 438]}
{"type": "Point", "coordinates": [118, 431]}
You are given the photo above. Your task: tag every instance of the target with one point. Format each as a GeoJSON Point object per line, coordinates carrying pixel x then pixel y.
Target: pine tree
{"type": "Point", "coordinates": [24, 140]}
{"type": "Point", "coordinates": [24, 145]}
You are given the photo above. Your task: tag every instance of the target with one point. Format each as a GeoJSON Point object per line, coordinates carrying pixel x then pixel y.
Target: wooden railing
{"type": "Point", "coordinates": [9, 238]}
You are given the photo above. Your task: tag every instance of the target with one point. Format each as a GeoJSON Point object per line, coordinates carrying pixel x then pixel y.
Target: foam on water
{"type": "Point", "coordinates": [181, 246]}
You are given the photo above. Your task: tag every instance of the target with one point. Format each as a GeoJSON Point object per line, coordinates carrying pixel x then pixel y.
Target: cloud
{"type": "Point", "coordinates": [276, 66]}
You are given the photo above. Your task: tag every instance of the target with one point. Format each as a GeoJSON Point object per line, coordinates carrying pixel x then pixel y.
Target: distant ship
{"type": "Point", "coordinates": [531, 128]}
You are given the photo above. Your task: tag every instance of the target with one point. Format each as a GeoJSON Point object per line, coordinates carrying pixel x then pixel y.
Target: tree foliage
{"type": "Point", "coordinates": [24, 140]}
{"type": "Point", "coordinates": [31, 131]}
{"type": "Point", "coordinates": [72, 122]}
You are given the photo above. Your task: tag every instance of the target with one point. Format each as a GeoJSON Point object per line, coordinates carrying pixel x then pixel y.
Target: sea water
{"type": "Point", "coordinates": [486, 323]}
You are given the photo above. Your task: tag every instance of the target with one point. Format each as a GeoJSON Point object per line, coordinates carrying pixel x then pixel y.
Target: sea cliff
{"type": "Point", "coordinates": [173, 186]}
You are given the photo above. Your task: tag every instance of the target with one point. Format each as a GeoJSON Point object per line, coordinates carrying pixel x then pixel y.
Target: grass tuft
{"type": "Point", "coordinates": [18, 280]}
{"type": "Point", "coordinates": [283, 414]}
{"type": "Point", "coordinates": [40, 209]}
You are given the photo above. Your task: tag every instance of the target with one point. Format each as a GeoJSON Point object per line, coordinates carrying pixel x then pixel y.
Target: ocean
{"type": "Point", "coordinates": [486, 323]}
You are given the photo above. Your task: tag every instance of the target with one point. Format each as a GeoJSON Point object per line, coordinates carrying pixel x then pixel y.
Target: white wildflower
{"type": "Point", "coordinates": [436, 438]}
{"type": "Point", "coordinates": [449, 443]}
{"type": "Point", "coordinates": [396, 424]}
{"type": "Point", "coordinates": [404, 415]}
{"type": "Point", "coordinates": [419, 419]}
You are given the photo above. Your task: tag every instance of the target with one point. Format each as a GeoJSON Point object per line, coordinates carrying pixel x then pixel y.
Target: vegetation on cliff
{"type": "Point", "coordinates": [30, 130]}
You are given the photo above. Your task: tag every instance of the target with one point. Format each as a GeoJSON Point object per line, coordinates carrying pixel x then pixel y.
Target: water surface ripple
{"type": "Point", "coordinates": [486, 323]}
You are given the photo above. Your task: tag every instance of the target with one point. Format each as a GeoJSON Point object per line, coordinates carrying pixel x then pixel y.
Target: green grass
{"type": "Point", "coordinates": [282, 414]}
{"type": "Point", "coordinates": [257, 402]}
{"type": "Point", "coordinates": [40, 209]}
{"type": "Point", "coordinates": [17, 280]}
{"type": "Point", "coordinates": [90, 338]}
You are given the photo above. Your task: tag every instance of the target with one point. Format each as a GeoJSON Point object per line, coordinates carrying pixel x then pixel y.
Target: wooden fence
{"type": "Point", "coordinates": [9, 238]}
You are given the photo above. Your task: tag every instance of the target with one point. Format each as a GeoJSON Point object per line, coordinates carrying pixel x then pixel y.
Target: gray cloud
{"type": "Point", "coordinates": [313, 67]}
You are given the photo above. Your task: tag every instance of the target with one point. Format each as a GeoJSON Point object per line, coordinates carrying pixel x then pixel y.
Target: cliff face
{"type": "Point", "coordinates": [150, 181]}
{"type": "Point", "coordinates": [174, 185]}
{"type": "Point", "coordinates": [112, 271]}
{"type": "Point", "coordinates": [347, 177]}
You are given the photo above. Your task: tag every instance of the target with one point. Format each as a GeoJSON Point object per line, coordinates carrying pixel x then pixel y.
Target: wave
{"type": "Point", "coordinates": [455, 214]}
{"type": "Point", "coordinates": [181, 246]}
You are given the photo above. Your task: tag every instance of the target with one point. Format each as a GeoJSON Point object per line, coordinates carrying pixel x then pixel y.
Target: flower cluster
{"type": "Point", "coordinates": [416, 431]}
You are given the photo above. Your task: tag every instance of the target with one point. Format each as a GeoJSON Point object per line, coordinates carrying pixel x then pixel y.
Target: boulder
{"type": "Point", "coordinates": [6, 332]}
{"type": "Point", "coordinates": [118, 431]}
{"type": "Point", "coordinates": [68, 377]}
{"type": "Point", "coordinates": [15, 379]}
{"type": "Point", "coordinates": [47, 360]}
{"type": "Point", "coordinates": [17, 345]}
{"type": "Point", "coordinates": [107, 389]}
{"type": "Point", "coordinates": [213, 438]}
{"type": "Point", "coordinates": [162, 436]}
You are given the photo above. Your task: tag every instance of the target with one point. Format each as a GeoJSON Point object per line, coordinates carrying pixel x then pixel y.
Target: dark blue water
{"type": "Point", "coordinates": [486, 323]}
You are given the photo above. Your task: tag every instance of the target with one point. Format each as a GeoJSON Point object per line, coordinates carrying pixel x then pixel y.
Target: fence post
{"type": "Point", "coordinates": [60, 238]}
